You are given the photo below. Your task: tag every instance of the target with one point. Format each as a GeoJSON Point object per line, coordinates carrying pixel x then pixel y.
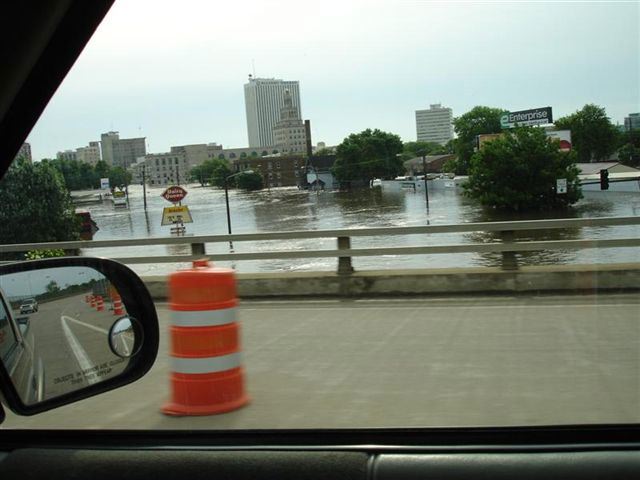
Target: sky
{"type": "Point", "coordinates": [174, 71]}
{"type": "Point", "coordinates": [31, 283]}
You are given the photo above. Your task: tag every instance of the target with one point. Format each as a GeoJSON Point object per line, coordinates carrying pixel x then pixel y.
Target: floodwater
{"type": "Point", "coordinates": [286, 209]}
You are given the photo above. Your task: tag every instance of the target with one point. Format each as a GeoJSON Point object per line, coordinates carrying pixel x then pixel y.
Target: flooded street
{"type": "Point", "coordinates": [287, 209]}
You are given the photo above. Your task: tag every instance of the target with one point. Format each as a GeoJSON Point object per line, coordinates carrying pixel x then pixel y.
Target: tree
{"type": "Point", "coordinates": [593, 136]}
{"type": "Point", "coordinates": [52, 287]}
{"type": "Point", "coordinates": [220, 171]}
{"type": "Point", "coordinates": [196, 175]}
{"type": "Point", "coordinates": [367, 155]}
{"type": "Point", "coordinates": [629, 148]}
{"type": "Point", "coordinates": [102, 171]}
{"type": "Point", "coordinates": [479, 120]}
{"type": "Point", "coordinates": [249, 181]}
{"type": "Point", "coordinates": [518, 172]}
{"type": "Point", "coordinates": [212, 171]}
{"type": "Point", "coordinates": [119, 177]}
{"type": "Point", "coordinates": [36, 205]}
{"type": "Point", "coordinates": [323, 152]}
{"type": "Point", "coordinates": [416, 149]}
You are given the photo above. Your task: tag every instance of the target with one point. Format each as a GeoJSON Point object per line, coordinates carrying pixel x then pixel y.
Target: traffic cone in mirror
{"type": "Point", "coordinates": [100, 304]}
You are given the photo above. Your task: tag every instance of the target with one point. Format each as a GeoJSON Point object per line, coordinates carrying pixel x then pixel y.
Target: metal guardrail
{"type": "Point", "coordinates": [507, 246]}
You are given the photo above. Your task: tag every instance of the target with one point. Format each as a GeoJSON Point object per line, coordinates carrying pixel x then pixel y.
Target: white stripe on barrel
{"type": "Point", "coordinates": [204, 318]}
{"type": "Point", "coordinates": [206, 364]}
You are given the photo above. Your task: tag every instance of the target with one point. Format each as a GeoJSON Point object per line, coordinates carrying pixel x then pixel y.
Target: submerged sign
{"type": "Point", "coordinates": [526, 118]}
{"type": "Point", "coordinates": [176, 214]}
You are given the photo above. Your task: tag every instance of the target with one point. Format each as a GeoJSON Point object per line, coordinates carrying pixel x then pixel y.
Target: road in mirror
{"type": "Point", "coordinates": [122, 337]}
{"type": "Point", "coordinates": [54, 330]}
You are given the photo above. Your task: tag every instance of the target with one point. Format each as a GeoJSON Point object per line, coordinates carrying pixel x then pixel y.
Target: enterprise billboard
{"type": "Point", "coordinates": [526, 118]}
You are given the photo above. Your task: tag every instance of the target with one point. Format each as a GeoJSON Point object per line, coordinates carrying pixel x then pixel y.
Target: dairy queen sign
{"type": "Point", "coordinates": [174, 194]}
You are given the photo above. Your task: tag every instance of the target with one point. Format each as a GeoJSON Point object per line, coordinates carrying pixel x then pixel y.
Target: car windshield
{"type": "Point", "coordinates": [434, 210]}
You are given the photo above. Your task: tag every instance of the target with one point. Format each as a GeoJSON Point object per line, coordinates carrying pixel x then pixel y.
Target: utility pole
{"type": "Point", "coordinates": [144, 185]}
{"type": "Point", "coordinates": [426, 188]}
{"type": "Point", "coordinates": [307, 133]}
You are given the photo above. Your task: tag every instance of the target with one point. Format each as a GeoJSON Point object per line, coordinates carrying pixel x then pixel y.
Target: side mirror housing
{"type": "Point", "coordinates": [71, 328]}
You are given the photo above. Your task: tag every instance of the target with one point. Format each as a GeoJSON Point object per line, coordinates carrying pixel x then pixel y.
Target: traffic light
{"type": "Point", "coordinates": [604, 179]}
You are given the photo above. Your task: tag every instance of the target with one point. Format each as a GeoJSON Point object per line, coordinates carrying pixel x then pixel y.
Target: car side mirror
{"type": "Point", "coordinates": [71, 328]}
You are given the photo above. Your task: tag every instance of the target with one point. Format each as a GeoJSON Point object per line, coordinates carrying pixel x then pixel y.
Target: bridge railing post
{"type": "Point", "coordinates": [198, 249]}
{"type": "Point", "coordinates": [509, 260]}
{"type": "Point", "coordinates": [344, 262]}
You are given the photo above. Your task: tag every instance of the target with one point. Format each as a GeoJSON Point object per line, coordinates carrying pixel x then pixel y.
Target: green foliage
{"type": "Point", "coordinates": [629, 148]}
{"type": "Point", "coordinates": [220, 171]}
{"type": "Point", "coordinates": [119, 177]}
{"type": "Point", "coordinates": [367, 155]}
{"type": "Point", "coordinates": [324, 151]}
{"type": "Point", "coordinates": [593, 136]}
{"type": "Point", "coordinates": [518, 172]}
{"type": "Point", "coordinates": [249, 181]}
{"type": "Point", "coordinates": [416, 149]}
{"type": "Point", "coordinates": [79, 175]}
{"type": "Point", "coordinates": [196, 175]}
{"type": "Point", "coordinates": [39, 254]}
{"type": "Point", "coordinates": [450, 166]}
{"type": "Point", "coordinates": [35, 205]}
{"type": "Point", "coordinates": [479, 120]}
{"type": "Point", "coordinates": [212, 171]}
{"type": "Point", "coordinates": [52, 287]}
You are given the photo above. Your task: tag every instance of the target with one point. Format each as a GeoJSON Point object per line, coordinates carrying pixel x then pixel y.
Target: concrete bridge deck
{"type": "Point", "coordinates": [501, 360]}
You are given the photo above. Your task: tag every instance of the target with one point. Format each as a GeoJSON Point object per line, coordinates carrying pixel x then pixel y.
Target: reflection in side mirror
{"type": "Point", "coordinates": [57, 331]}
{"type": "Point", "coordinates": [122, 337]}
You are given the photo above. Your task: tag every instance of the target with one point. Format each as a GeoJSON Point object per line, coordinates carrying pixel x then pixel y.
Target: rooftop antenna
{"type": "Point", "coordinates": [253, 67]}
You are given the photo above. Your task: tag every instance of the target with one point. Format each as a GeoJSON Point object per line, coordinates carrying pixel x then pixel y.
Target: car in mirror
{"type": "Point", "coordinates": [71, 328]}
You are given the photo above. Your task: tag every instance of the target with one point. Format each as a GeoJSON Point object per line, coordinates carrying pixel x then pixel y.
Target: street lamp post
{"type": "Point", "coordinates": [426, 188]}
{"type": "Point", "coordinates": [226, 199]}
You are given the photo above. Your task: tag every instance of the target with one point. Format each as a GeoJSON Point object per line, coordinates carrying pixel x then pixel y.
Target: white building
{"type": "Point", "coordinates": [161, 169]}
{"type": "Point", "coordinates": [69, 155]}
{"type": "Point", "coordinates": [264, 97]}
{"type": "Point", "coordinates": [90, 154]}
{"type": "Point", "coordinates": [121, 152]}
{"type": "Point", "coordinates": [289, 132]}
{"type": "Point", "coordinates": [434, 125]}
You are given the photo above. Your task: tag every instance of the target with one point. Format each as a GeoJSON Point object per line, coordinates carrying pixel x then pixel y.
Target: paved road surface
{"type": "Point", "coordinates": [408, 362]}
{"type": "Point", "coordinates": [71, 339]}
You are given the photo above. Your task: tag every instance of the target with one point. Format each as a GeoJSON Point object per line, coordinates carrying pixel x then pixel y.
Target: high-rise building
{"type": "Point", "coordinates": [434, 125]}
{"type": "Point", "coordinates": [632, 122]}
{"type": "Point", "coordinates": [121, 152]}
{"type": "Point", "coordinates": [289, 133]}
{"type": "Point", "coordinates": [264, 97]}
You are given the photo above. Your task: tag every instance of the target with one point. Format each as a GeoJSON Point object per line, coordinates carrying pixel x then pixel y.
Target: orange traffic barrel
{"type": "Point", "coordinates": [99, 304]}
{"type": "Point", "coordinates": [206, 368]}
{"type": "Point", "coordinates": [87, 298]}
{"type": "Point", "coordinates": [117, 307]}
{"type": "Point", "coordinates": [93, 301]}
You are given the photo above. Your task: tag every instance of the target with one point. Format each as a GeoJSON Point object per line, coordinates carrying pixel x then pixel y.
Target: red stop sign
{"type": "Point", "coordinates": [174, 194]}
